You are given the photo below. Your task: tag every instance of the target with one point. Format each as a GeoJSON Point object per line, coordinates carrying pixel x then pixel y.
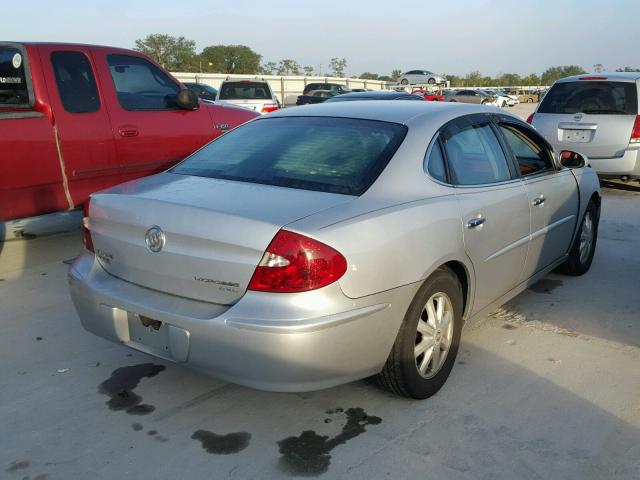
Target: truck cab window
{"type": "Point", "coordinates": [76, 83]}
{"type": "Point", "coordinates": [14, 91]}
{"type": "Point", "coordinates": [140, 85]}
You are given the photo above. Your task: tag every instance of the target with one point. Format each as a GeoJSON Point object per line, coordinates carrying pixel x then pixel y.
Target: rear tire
{"type": "Point", "coordinates": [404, 82]}
{"type": "Point", "coordinates": [584, 245]}
{"type": "Point", "coordinates": [529, 100]}
{"type": "Point", "coordinates": [427, 343]}
{"type": "Point", "coordinates": [431, 81]}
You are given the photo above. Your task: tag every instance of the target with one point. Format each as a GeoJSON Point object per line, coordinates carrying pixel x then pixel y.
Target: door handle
{"type": "Point", "coordinates": [128, 131]}
{"type": "Point", "coordinates": [539, 201]}
{"type": "Point", "coordinates": [476, 222]}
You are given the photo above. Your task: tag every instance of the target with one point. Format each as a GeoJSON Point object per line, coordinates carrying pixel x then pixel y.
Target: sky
{"type": "Point", "coordinates": [494, 37]}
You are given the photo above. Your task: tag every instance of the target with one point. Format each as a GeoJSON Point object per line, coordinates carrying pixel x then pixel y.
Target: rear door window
{"type": "Point", "coordinates": [76, 83]}
{"type": "Point", "coordinates": [336, 155]}
{"type": "Point", "coordinates": [140, 85]}
{"type": "Point", "coordinates": [474, 155]}
{"type": "Point", "coordinates": [592, 98]}
{"type": "Point", "coordinates": [14, 87]}
{"type": "Point", "coordinates": [245, 91]}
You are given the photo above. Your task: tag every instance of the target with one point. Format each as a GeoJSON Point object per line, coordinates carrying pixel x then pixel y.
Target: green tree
{"type": "Point", "coordinates": [555, 73]}
{"type": "Point", "coordinates": [473, 79]}
{"type": "Point", "coordinates": [337, 66]}
{"type": "Point", "coordinates": [508, 80]}
{"type": "Point", "coordinates": [288, 67]}
{"type": "Point", "coordinates": [231, 59]}
{"type": "Point", "coordinates": [531, 80]}
{"type": "Point", "coordinates": [395, 74]}
{"type": "Point", "coordinates": [173, 53]}
{"type": "Point", "coordinates": [269, 68]}
{"type": "Point", "coordinates": [308, 70]}
{"type": "Point", "coordinates": [386, 78]}
{"type": "Point", "coordinates": [369, 76]}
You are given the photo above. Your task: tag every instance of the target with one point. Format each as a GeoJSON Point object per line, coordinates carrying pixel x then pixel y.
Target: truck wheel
{"type": "Point", "coordinates": [584, 245]}
{"type": "Point", "coordinates": [404, 82]}
{"type": "Point", "coordinates": [427, 344]}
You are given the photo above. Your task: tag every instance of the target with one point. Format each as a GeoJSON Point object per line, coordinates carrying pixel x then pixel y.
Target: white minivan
{"type": "Point", "coordinates": [596, 115]}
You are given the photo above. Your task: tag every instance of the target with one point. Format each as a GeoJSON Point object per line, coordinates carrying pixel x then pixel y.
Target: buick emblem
{"type": "Point", "coordinates": [578, 116]}
{"type": "Point", "coordinates": [155, 239]}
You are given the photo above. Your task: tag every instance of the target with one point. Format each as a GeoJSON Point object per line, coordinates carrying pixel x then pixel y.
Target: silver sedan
{"type": "Point", "coordinates": [324, 244]}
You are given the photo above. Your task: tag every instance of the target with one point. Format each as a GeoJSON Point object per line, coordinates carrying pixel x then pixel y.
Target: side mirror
{"type": "Point", "coordinates": [571, 159]}
{"type": "Point", "coordinates": [187, 100]}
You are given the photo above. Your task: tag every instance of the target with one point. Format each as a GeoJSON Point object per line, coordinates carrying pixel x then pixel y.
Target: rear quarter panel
{"type": "Point", "coordinates": [393, 246]}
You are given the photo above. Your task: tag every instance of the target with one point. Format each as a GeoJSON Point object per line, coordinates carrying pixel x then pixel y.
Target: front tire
{"type": "Point", "coordinates": [404, 81]}
{"type": "Point", "coordinates": [584, 245]}
{"type": "Point", "coordinates": [427, 343]}
{"type": "Point", "coordinates": [431, 81]}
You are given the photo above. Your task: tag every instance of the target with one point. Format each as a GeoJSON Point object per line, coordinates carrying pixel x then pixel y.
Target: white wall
{"type": "Point", "coordinates": [286, 88]}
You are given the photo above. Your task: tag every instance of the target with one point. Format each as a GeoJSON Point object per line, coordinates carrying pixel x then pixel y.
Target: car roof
{"type": "Point", "coordinates": [403, 112]}
{"type": "Point", "coordinates": [605, 76]}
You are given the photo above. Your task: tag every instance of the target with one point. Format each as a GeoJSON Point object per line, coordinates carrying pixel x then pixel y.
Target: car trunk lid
{"type": "Point", "coordinates": [215, 231]}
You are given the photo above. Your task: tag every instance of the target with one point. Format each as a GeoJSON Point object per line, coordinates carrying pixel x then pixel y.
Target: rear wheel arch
{"type": "Point", "coordinates": [461, 272]}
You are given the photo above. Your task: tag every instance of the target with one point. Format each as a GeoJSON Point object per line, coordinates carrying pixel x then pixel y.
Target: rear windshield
{"type": "Point", "coordinates": [245, 91]}
{"type": "Point", "coordinates": [336, 155]}
{"type": "Point", "coordinates": [591, 97]}
{"type": "Point", "coordinates": [14, 91]}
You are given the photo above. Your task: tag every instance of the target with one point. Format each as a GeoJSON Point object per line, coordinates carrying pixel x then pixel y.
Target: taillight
{"type": "Point", "coordinates": [269, 107]}
{"type": "Point", "coordinates": [86, 234]}
{"type": "Point", "coordinates": [295, 263]}
{"type": "Point", "coordinates": [530, 119]}
{"type": "Point", "coordinates": [635, 133]}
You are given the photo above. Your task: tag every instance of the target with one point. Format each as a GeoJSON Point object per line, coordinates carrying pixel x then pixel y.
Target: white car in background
{"type": "Point", "coordinates": [502, 100]}
{"type": "Point", "coordinates": [254, 94]}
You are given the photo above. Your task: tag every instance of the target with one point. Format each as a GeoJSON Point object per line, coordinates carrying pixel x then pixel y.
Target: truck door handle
{"type": "Point", "coordinates": [128, 131]}
{"type": "Point", "coordinates": [476, 222]}
{"type": "Point", "coordinates": [538, 201]}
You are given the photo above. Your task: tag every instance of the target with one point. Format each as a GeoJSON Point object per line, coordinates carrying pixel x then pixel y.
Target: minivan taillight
{"type": "Point", "coordinates": [86, 234]}
{"type": "Point", "coordinates": [269, 107]}
{"type": "Point", "coordinates": [295, 263]}
{"type": "Point", "coordinates": [530, 118]}
{"type": "Point", "coordinates": [635, 133]}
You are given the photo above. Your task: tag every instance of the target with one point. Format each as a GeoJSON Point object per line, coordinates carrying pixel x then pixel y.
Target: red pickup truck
{"type": "Point", "coordinates": [79, 118]}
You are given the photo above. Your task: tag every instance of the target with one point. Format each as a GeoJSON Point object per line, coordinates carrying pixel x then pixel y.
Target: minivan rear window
{"type": "Point", "coordinates": [245, 91]}
{"type": "Point", "coordinates": [336, 155]}
{"type": "Point", "coordinates": [592, 98]}
{"type": "Point", "coordinates": [14, 89]}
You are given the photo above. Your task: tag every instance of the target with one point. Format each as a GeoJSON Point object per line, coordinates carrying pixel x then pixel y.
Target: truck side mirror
{"type": "Point", "coordinates": [571, 159]}
{"type": "Point", "coordinates": [187, 100]}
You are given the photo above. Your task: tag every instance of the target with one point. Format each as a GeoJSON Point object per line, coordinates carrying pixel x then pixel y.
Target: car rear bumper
{"type": "Point", "coordinates": [278, 342]}
{"type": "Point", "coordinates": [628, 165]}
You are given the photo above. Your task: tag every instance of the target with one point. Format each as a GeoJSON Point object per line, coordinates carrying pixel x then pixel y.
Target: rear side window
{"type": "Point", "coordinates": [591, 97]}
{"type": "Point", "coordinates": [531, 154]}
{"type": "Point", "coordinates": [245, 91]}
{"type": "Point", "coordinates": [140, 85]}
{"type": "Point", "coordinates": [76, 83]}
{"type": "Point", "coordinates": [435, 166]}
{"type": "Point", "coordinates": [14, 91]}
{"type": "Point", "coordinates": [336, 155]}
{"type": "Point", "coordinates": [475, 156]}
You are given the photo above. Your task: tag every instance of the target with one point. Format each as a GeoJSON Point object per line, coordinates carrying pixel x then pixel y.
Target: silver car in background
{"type": "Point", "coordinates": [471, 96]}
{"type": "Point", "coordinates": [597, 115]}
{"type": "Point", "coordinates": [254, 94]}
{"type": "Point", "coordinates": [323, 244]}
{"type": "Point", "coordinates": [421, 77]}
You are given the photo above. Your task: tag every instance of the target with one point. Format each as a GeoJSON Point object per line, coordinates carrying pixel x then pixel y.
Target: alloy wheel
{"type": "Point", "coordinates": [434, 335]}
